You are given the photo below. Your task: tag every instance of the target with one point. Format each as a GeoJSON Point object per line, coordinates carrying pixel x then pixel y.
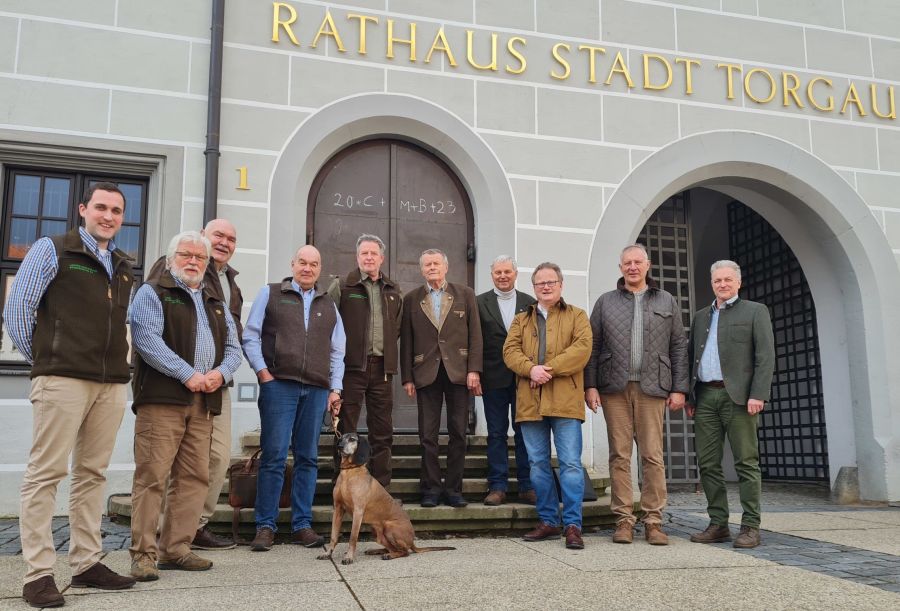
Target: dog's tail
{"type": "Point", "coordinates": [422, 550]}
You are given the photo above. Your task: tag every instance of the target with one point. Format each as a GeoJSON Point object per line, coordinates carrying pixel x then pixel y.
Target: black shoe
{"type": "Point", "coordinates": [456, 500]}
{"type": "Point", "coordinates": [429, 500]}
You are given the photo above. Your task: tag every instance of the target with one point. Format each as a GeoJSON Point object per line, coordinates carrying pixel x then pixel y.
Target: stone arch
{"type": "Point", "coordinates": [370, 115]}
{"type": "Point", "coordinates": [850, 267]}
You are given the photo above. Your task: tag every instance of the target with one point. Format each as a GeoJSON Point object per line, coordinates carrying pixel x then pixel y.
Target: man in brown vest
{"type": "Point", "coordinates": [186, 350]}
{"type": "Point", "coordinates": [370, 306]}
{"type": "Point", "coordinates": [294, 341]}
{"type": "Point", "coordinates": [441, 360]}
{"type": "Point", "coordinates": [220, 277]}
{"type": "Point", "coordinates": [66, 315]}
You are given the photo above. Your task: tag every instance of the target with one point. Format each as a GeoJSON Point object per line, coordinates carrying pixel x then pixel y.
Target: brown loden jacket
{"type": "Point", "coordinates": [455, 340]}
{"type": "Point", "coordinates": [569, 343]}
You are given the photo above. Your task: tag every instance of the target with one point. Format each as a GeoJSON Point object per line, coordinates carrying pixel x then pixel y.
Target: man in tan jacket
{"type": "Point", "coordinates": [547, 347]}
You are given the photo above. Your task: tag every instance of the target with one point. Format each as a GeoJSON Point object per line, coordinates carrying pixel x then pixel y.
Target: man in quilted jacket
{"type": "Point", "coordinates": [638, 368]}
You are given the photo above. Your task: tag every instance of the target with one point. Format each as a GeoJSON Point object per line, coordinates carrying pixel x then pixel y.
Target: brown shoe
{"type": "Point", "coordinates": [529, 497]}
{"type": "Point", "coordinates": [747, 538]}
{"type": "Point", "coordinates": [188, 562]}
{"type": "Point", "coordinates": [100, 577]}
{"type": "Point", "coordinates": [495, 497]}
{"type": "Point", "coordinates": [713, 534]}
{"type": "Point", "coordinates": [307, 537]}
{"type": "Point", "coordinates": [42, 593]}
{"type": "Point", "coordinates": [143, 568]}
{"type": "Point", "coordinates": [654, 534]}
{"type": "Point", "coordinates": [624, 532]}
{"type": "Point", "coordinates": [573, 537]}
{"type": "Point", "coordinates": [263, 541]}
{"type": "Point", "coordinates": [542, 532]}
{"type": "Point", "coordinates": [208, 540]}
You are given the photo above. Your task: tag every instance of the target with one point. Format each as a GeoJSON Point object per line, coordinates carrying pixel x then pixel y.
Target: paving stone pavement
{"type": "Point", "coordinates": [685, 515]}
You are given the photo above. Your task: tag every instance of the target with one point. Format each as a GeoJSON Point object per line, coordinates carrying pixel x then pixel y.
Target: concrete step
{"type": "Point", "coordinates": [403, 443]}
{"type": "Point", "coordinates": [407, 489]}
{"type": "Point", "coordinates": [442, 519]}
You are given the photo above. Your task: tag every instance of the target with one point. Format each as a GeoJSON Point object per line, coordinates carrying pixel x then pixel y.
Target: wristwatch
{"type": "Point", "coordinates": [336, 391]}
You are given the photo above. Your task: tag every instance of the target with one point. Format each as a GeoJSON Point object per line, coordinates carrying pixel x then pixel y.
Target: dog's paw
{"type": "Point", "coordinates": [386, 557]}
{"type": "Point", "coordinates": [325, 556]}
{"type": "Point", "coordinates": [347, 560]}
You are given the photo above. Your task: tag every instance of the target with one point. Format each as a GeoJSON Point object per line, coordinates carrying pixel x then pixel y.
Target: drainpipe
{"type": "Point", "coordinates": [214, 112]}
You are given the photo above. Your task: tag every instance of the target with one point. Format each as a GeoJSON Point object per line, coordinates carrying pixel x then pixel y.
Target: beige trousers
{"type": "Point", "coordinates": [78, 418]}
{"type": "Point", "coordinates": [169, 441]}
{"type": "Point", "coordinates": [634, 416]}
{"type": "Point", "coordinates": [219, 457]}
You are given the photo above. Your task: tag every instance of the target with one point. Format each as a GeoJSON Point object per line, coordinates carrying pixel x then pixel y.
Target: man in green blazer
{"type": "Point", "coordinates": [732, 354]}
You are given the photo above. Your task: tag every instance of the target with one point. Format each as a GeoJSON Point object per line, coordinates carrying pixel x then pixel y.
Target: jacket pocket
{"type": "Point", "coordinates": [604, 365]}
{"type": "Point", "coordinates": [464, 352]}
{"type": "Point", "coordinates": [418, 358]}
{"type": "Point", "coordinates": [740, 332]}
{"type": "Point", "coordinates": [664, 374]}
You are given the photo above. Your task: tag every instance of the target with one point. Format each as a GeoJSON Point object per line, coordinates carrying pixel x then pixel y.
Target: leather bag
{"type": "Point", "coordinates": [242, 480]}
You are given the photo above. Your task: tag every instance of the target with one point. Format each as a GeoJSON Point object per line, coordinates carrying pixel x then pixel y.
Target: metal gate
{"type": "Point", "coordinates": [667, 236]}
{"type": "Point", "coordinates": [792, 440]}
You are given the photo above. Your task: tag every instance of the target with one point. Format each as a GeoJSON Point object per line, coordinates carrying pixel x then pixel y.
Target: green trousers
{"type": "Point", "coordinates": [717, 416]}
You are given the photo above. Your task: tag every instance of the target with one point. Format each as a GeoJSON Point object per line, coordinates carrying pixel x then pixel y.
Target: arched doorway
{"type": "Point", "coordinates": [850, 267]}
{"type": "Point", "coordinates": [410, 199]}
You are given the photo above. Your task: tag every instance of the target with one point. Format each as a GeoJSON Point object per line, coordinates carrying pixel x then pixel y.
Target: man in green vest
{"type": "Point", "coordinates": [732, 354]}
{"type": "Point", "coordinates": [370, 306]}
{"type": "Point", "coordinates": [186, 349]}
{"type": "Point", "coordinates": [66, 315]}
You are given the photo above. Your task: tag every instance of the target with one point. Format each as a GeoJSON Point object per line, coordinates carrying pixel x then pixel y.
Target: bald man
{"type": "Point", "coordinates": [297, 381]}
{"type": "Point", "coordinates": [220, 279]}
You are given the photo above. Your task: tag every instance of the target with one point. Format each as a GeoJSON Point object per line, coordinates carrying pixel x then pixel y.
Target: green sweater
{"type": "Point", "coordinates": [746, 349]}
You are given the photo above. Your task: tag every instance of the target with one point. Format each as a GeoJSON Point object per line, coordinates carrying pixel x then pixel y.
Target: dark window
{"type": "Point", "coordinates": [38, 203]}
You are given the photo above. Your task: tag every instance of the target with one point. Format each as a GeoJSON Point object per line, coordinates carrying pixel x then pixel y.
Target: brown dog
{"type": "Point", "coordinates": [358, 493]}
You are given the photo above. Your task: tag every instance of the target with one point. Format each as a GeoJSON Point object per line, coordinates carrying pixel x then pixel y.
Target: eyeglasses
{"type": "Point", "coordinates": [187, 256]}
{"type": "Point", "coordinates": [549, 284]}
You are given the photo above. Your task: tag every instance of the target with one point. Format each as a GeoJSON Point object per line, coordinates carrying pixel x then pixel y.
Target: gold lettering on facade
{"type": "Point", "coordinates": [812, 99]}
{"type": "Point", "coordinates": [440, 44]}
{"type": "Point", "coordinates": [562, 61]}
{"type": "Point", "coordinates": [516, 54]}
{"type": "Point", "coordinates": [790, 90]}
{"type": "Point", "coordinates": [852, 97]}
{"type": "Point", "coordinates": [665, 63]}
{"type": "Point", "coordinates": [242, 179]}
{"type": "Point", "coordinates": [748, 78]}
{"type": "Point", "coordinates": [688, 74]}
{"type": "Point", "coordinates": [731, 68]}
{"type": "Point", "coordinates": [619, 67]}
{"type": "Point", "coordinates": [328, 28]}
{"type": "Point", "coordinates": [286, 25]}
{"type": "Point", "coordinates": [892, 112]}
{"type": "Point", "coordinates": [410, 42]}
{"type": "Point", "coordinates": [470, 55]}
{"type": "Point", "coordinates": [592, 60]}
{"type": "Point", "coordinates": [363, 21]}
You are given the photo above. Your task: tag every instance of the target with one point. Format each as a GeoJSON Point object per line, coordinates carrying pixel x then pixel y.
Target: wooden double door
{"type": "Point", "coordinates": [409, 198]}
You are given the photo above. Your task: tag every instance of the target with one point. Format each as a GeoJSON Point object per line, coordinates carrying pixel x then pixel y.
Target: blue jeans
{"type": "Point", "coordinates": [567, 437]}
{"type": "Point", "coordinates": [290, 415]}
{"type": "Point", "coordinates": [498, 405]}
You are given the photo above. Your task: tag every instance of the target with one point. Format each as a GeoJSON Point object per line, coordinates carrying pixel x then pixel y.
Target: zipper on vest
{"type": "Point", "coordinates": [108, 326]}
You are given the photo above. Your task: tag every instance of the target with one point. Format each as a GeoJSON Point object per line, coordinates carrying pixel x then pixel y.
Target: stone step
{"type": "Point", "coordinates": [407, 489]}
{"type": "Point", "coordinates": [403, 443]}
{"type": "Point", "coordinates": [442, 519]}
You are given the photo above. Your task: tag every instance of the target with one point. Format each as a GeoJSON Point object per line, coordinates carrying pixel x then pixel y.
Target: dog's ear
{"type": "Point", "coordinates": [363, 452]}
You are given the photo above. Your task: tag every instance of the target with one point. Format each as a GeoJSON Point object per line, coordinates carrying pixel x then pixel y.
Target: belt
{"type": "Point", "coordinates": [714, 384]}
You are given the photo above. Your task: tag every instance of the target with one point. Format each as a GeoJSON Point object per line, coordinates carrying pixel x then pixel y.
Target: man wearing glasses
{"type": "Point", "coordinates": [186, 350]}
{"type": "Point", "coordinates": [220, 277]}
{"type": "Point", "coordinates": [638, 367]}
{"type": "Point", "coordinates": [547, 348]}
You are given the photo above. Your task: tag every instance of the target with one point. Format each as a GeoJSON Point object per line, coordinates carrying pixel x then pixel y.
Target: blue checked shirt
{"type": "Point", "coordinates": [710, 369]}
{"type": "Point", "coordinates": [253, 334]}
{"type": "Point", "coordinates": [35, 274]}
{"type": "Point", "coordinates": [436, 296]}
{"type": "Point", "coordinates": [147, 323]}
